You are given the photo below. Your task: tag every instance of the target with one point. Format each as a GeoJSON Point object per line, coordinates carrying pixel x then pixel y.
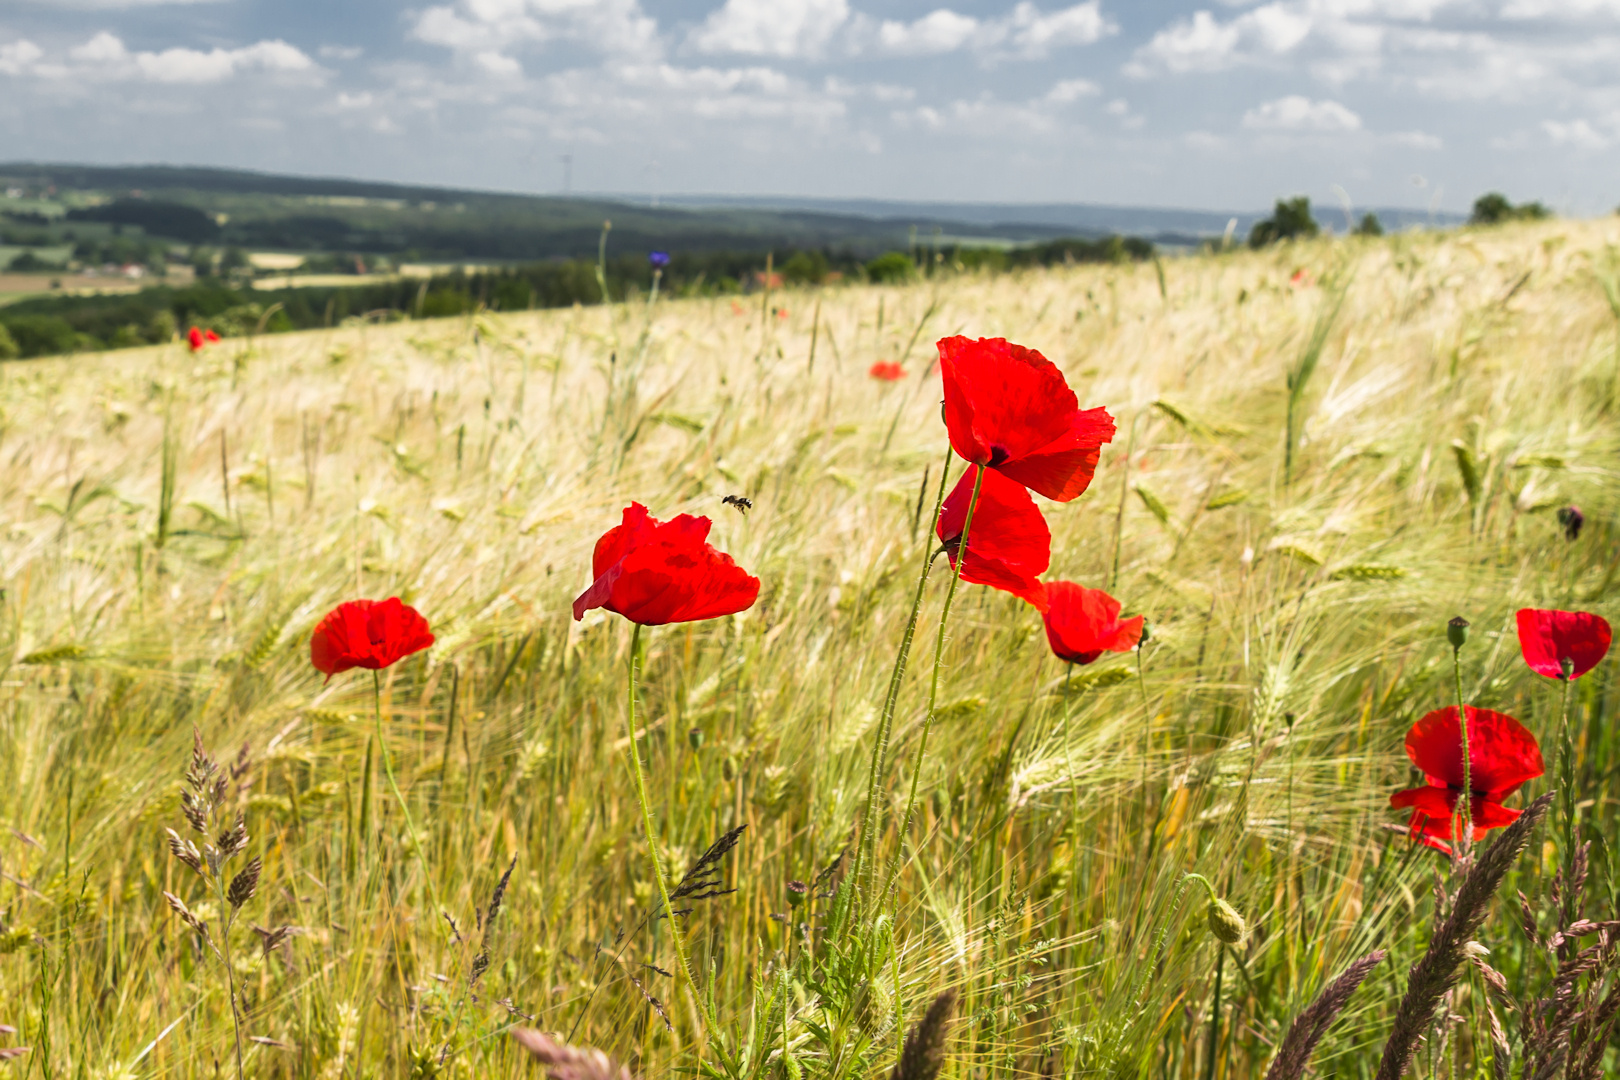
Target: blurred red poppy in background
{"type": "Point", "coordinates": [1082, 623]}
{"type": "Point", "coordinates": [1009, 545]}
{"type": "Point", "coordinates": [367, 634]}
{"type": "Point", "coordinates": [199, 338]}
{"type": "Point", "coordinates": [1502, 757]}
{"type": "Point", "coordinates": [1548, 638]}
{"type": "Point", "coordinates": [654, 572]}
{"type": "Point", "coordinates": [887, 370]}
{"type": "Point", "coordinates": [1009, 408]}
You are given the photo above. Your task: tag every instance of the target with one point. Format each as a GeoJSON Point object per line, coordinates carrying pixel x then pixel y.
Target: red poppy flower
{"type": "Point", "coordinates": [1009, 547]}
{"type": "Point", "coordinates": [1082, 624]}
{"type": "Point", "coordinates": [887, 370]}
{"type": "Point", "coordinates": [211, 336]}
{"type": "Point", "coordinates": [1548, 638]}
{"type": "Point", "coordinates": [1502, 756]}
{"type": "Point", "coordinates": [367, 634]}
{"type": "Point", "coordinates": [655, 572]}
{"type": "Point", "coordinates": [1009, 408]}
{"type": "Point", "coordinates": [196, 339]}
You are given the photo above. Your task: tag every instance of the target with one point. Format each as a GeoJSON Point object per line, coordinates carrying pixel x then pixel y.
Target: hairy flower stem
{"type": "Point", "coordinates": [1215, 1015]}
{"type": "Point", "coordinates": [1462, 835]}
{"type": "Point", "coordinates": [388, 768]}
{"type": "Point", "coordinates": [939, 662]}
{"type": "Point", "coordinates": [652, 840]}
{"type": "Point", "coordinates": [1566, 797]}
{"type": "Point", "coordinates": [866, 854]}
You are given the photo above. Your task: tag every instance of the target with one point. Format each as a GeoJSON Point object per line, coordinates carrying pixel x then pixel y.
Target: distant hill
{"type": "Point", "coordinates": [265, 211]}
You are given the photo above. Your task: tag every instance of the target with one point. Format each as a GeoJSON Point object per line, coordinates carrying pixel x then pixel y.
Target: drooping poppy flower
{"type": "Point", "coordinates": [369, 634]}
{"type": "Point", "coordinates": [1082, 624]}
{"type": "Point", "coordinates": [1009, 546]}
{"type": "Point", "coordinates": [211, 336]}
{"type": "Point", "coordinates": [1009, 408]}
{"type": "Point", "coordinates": [887, 370]}
{"type": "Point", "coordinates": [1548, 638]}
{"type": "Point", "coordinates": [655, 572]}
{"type": "Point", "coordinates": [1502, 757]}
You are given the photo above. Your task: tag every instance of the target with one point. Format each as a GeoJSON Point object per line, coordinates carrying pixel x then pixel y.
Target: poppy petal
{"type": "Point", "coordinates": [1082, 624]}
{"type": "Point", "coordinates": [367, 634]}
{"type": "Point", "coordinates": [1502, 754]}
{"type": "Point", "coordinates": [1009, 546]}
{"type": "Point", "coordinates": [1009, 408]}
{"type": "Point", "coordinates": [654, 572]}
{"type": "Point", "coordinates": [1548, 637]}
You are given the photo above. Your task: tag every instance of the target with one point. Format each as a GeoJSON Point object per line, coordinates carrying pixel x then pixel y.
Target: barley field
{"type": "Point", "coordinates": [1325, 451]}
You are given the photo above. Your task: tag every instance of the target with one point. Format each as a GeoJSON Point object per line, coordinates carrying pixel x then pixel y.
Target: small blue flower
{"type": "Point", "coordinates": [658, 259]}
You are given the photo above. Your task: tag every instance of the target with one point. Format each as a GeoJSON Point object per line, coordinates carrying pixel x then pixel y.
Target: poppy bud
{"type": "Point", "coordinates": [694, 738]}
{"type": "Point", "coordinates": [1225, 922]}
{"type": "Point", "coordinates": [1571, 518]}
{"type": "Point", "coordinates": [797, 891]}
{"type": "Point", "coordinates": [1147, 634]}
{"type": "Point", "coordinates": [1457, 632]}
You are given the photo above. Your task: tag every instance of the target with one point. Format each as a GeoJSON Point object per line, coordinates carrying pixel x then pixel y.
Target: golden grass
{"type": "Point", "coordinates": [468, 466]}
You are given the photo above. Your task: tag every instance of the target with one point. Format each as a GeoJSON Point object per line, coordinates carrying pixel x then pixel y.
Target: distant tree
{"type": "Point", "coordinates": [8, 344]}
{"type": "Point", "coordinates": [894, 267]}
{"type": "Point", "coordinates": [1290, 220]}
{"type": "Point", "coordinates": [805, 268]}
{"type": "Point", "coordinates": [1369, 226]}
{"type": "Point", "coordinates": [30, 263]}
{"type": "Point", "coordinates": [1493, 208]}
{"type": "Point", "coordinates": [233, 259]}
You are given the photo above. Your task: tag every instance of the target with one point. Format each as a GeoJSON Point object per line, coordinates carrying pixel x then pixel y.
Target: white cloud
{"type": "Point", "coordinates": [105, 58]}
{"type": "Point", "coordinates": [111, 5]}
{"type": "Point", "coordinates": [1196, 44]}
{"type": "Point", "coordinates": [1298, 113]}
{"type": "Point", "coordinates": [1560, 9]}
{"type": "Point", "coordinates": [193, 66]}
{"type": "Point", "coordinates": [1033, 32]}
{"type": "Point", "coordinates": [1417, 140]}
{"type": "Point", "coordinates": [498, 65]}
{"type": "Point", "coordinates": [17, 57]}
{"type": "Point", "coordinates": [939, 31]}
{"type": "Point", "coordinates": [785, 28]}
{"type": "Point", "coordinates": [811, 29]}
{"type": "Point", "coordinates": [611, 27]}
{"type": "Point", "coordinates": [1577, 133]}
{"type": "Point", "coordinates": [340, 52]}
{"type": "Point", "coordinates": [1070, 90]}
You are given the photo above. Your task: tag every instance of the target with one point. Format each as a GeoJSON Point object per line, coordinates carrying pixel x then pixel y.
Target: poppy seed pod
{"type": "Point", "coordinates": [694, 738]}
{"type": "Point", "coordinates": [1225, 922]}
{"type": "Point", "coordinates": [1457, 632]}
{"type": "Point", "coordinates": [797, 891]}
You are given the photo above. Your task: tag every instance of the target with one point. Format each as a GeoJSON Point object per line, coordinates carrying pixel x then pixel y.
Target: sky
{"type": "Point", "coordinates": [1222, 105]}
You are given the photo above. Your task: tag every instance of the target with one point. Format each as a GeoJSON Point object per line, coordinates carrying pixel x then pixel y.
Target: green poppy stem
{"type": "Point", "coordinates": [939, 663]}
{"type": "Point", "coordinates": [1462, 835]}
{"type": "Point", "coordinates": [866, 853]}
{"type": "Point", "coordinates": [410, 824]}
{"type": "Point", "coordinates": [1566, 796]}
{"type": "Point", "coordinates": [652, 840]}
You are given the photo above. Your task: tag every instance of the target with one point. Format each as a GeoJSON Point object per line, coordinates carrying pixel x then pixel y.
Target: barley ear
{"type": "Point", "coordinates": [1437, 970]}
{"type": "Point", "coordinates": [1309, 1026]}
{"type": "Point", "coordinates": [924, 1053]}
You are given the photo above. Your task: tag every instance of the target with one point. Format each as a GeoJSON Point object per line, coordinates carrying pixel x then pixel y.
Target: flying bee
{"type": "Point", "coordinates": [742, 502]}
